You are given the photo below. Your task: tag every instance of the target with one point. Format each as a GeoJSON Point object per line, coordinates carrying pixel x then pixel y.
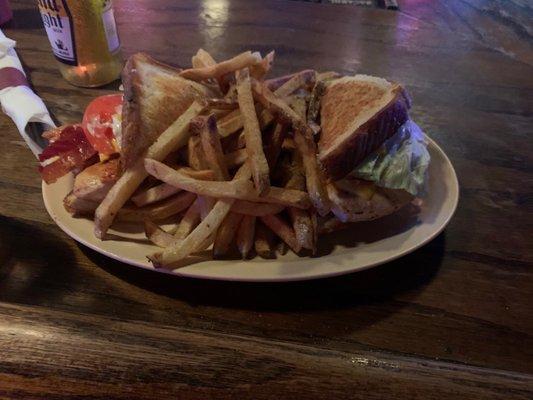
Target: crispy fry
{"type": "Point", "coordinates": [235, 158]}
{"type": "Point", "coordinates": [303, 138]}
{"type": "Point", "coordinates": [240, 61]}
{"type": "Point", "coordinates": [212, 147]}
{"type": "Point", "coordinates": [202, 59]}
{"type": "Point", "coordinates": [259, 70]}
{"type": "Point", "coordinates": [236, 189]}
{"type": "Point", "coordinates": [225, 234]}
{"type": "Point", "coordinates": [305, 78]}
{"type": "Point", "coordinates": [174, 137]}
{"type": "Point", "coordinates": [252, 132]}
{"type": "Point", "coordinates": [161, 210]}
{"type": "Point", "coordinates": [154, 194]}
{"type": "Point", "coordinates": [190, 219]}
{"type": "Point", "coordinates": [302, 222]}
{"type": "Point", "coordinates": [195, 153]}
{"type": "Point", "coordinates": [273, 144]}
{"type": "Point", "coordinates": [280, 228]}
{"type": "Point", "coordinates": [157, 235]}
{"type": "Point", "coordinates": [245, 235]}
{"type": "Point", "coordinates": [203, 233]}
{"type": "Point", "coordinates": [205, 205]}
{"type": "Point", "coordinates": [264, 241]}
{"type": "Point", "coordinates": [256, 209]}
{"type": "Point", "coordinates": [230, 123]}
{"type": "Point", "coordinates": [222, 104]}
{"type": "Point", "coordinates": [164, 190]}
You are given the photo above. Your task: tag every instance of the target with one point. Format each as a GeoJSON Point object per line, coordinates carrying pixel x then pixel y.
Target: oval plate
{"type": "Point", "coordinates": [362, 246]}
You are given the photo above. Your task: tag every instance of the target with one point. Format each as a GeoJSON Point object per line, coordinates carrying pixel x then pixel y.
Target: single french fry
{"type": "Point", "coordinates": [236, 189]}
{"type": "Point", "coordinates": [235, 158]}
{"type": "Point", "coordinates": [222, 104]}
{"type": "Point", "coordinates": [195, 153]}
{"type": "Point", "coordinates": [203, 233]}
{"type": "Point", "coordinates": [245, 235]}
{"type": "Point", "coordinates": [157, 235]}
{"type": "Point", "coordinates": [303, 138]}
{"type": "Point", "coordinates": [280, 228]}
{"type": "Point", "coordinates": [190, 219]}
{"type": "Point", "coordinates": [158, 211]}
{"type": "Point", "coordinates": [212, 147]}
{"type": "Point", "coordinates": [173, 138]}
{"type": "Point", "coordinates": [240, 61]}
{"type": "Point", "coordinates": [225, 234]}
{"type": "Point", "coordinates": [273, 144]}
{"type": "Point", "coordinates": [302, 222]}
{"type": "Point", "coordinates": [252, 132]}
{"type": "Point", "coordinates": [154, 194]}
{"type": "Point", "coordinates": [305, 78]}
{"type": "Point", "coordinates": [202, 59]}
{"type": "Point", "coordinates": [256, 209]}
{"type": "Point", "coordinates": [230, 123]}
{"type": "Point", "coordinates": [259, 70]}
{"type": "Point", "coordinates": [164, 190]}
{"type": "Point", "coordinates": [205, 205]}
{"type": "Point", "coordinates": [264, 241]}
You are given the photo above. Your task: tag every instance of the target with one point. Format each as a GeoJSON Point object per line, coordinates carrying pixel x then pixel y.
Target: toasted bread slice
{"type": "Point", "coordinates": [154, 96]}
{"type": "Point", "coordinates": [357, 115]}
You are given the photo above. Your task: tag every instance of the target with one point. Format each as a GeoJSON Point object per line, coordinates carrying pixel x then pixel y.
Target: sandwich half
{"type": "Point", "coordinates": [154, 96]}
{"type": "Point", "coordinates": [375, 158]}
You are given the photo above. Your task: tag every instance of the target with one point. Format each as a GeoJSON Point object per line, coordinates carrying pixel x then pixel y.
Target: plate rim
{"type": "Point", "coordinates": [319, 275]}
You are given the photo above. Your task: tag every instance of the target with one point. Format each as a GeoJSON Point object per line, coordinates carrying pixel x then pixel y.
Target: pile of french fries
{"type": "Point", "coordinates": [247, 171]}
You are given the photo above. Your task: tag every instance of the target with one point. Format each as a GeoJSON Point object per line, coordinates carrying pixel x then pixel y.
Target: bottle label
{"type": "Point", "coordinates": [58, 24]}
{"type": "Point", "coordinates": [110, 27]}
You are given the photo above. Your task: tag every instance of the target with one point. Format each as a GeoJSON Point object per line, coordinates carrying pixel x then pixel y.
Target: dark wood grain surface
{"type": "Point", "coordinates": [451, 320]}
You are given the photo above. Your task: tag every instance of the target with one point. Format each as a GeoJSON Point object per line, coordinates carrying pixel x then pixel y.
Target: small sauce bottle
{"type": "Point", "coordinates": [84, 39]}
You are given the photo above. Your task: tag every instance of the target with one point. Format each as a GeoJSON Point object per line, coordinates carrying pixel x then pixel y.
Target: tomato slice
{"type": "Point", "coordinates": [98, 122]}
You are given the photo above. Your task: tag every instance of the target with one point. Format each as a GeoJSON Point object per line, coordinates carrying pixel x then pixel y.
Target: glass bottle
{"type": "Point", "coordinates": [84, 39]}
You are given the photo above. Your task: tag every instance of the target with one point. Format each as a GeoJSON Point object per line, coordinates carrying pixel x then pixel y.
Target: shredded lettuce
{"type": "Point", "coordinates": [401, 162]}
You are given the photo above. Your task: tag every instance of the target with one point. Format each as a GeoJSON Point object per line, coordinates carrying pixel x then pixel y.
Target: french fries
{"type": "Point", "coordinates": [252, 133]}
{"type": "Point", "coordinates": [303, 138]}
{"type": "Point", "coordinates": [280, 228]}
{"type": "Point", "coordinates": [203, 233]}
{"type": "Point", "coordinates": [245, 235]}
{"type": "Point", "coordinates": [256, 209]}
{"type": "Point", "coordinates": [190, 219]}
{"type": "Point", "coordinates": [262, 132]}
{"type": "Point", "coordinates": [158, 211]}
{"type": "Point", "coordinates": [225, 234]}
{"type": "Point", "coordinates": [240, 61]}
{"type": "Point", "coordinates": [235, 158]}
{"type": "Point", "coordinates": [212, 147]}
{"type": "Point", "coordinates": [240, 189]}
{"type": "Point", "coordinates": [173, 138]}
{"type": "Point", "coordinates": [264, 241]}
{"type": "Point", "coordinates": [157, 235]}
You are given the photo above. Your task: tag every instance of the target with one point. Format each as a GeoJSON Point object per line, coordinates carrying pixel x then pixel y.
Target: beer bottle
{"type": "Point", "coordinates": [84, 39]}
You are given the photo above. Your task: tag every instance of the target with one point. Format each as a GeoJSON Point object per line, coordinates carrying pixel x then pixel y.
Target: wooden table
{"type": "Point", "coordinates": [452, 320]}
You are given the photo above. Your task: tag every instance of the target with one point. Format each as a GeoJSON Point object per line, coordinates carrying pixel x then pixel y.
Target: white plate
{"type": "Point", "coordinates": [365, 245]}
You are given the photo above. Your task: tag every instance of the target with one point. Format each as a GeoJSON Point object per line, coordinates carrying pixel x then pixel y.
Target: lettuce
{"type": "Point", "coordinates": [400, 163]}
